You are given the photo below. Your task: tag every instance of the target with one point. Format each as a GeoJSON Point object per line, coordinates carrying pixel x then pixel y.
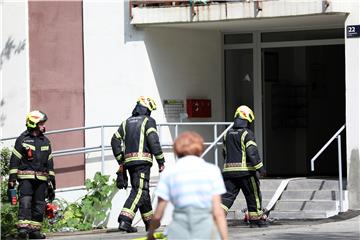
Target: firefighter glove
{"type": "Point", "coordinates": [121, 180]}
{"type": "Point", "coordinates": [50, 192]}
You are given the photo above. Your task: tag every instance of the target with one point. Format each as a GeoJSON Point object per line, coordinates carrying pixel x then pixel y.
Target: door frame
{"type": "Point", "coordinates": [257, 46]}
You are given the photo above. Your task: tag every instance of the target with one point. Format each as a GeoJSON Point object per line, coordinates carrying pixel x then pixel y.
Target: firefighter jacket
{"type": "Point", "coordinates": [31, 158]}
{"type": "Point", "coordinates": [240, 151]}
{"type": "Point", "coordinates": [136, 142]}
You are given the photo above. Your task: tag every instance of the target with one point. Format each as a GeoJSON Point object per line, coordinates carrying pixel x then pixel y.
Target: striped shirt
{"type": "Point", "coordinates": [191, 182]}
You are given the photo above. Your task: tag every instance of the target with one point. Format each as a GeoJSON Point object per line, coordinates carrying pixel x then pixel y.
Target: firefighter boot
{"type": "Point", "coordinates": [22, 234]}
{"type": "Point", "coordinates": [126, 227]}
{"type": "Point", "coordinates": [36, 235]}
{"type": "Point", "coordinates": [258, 223]}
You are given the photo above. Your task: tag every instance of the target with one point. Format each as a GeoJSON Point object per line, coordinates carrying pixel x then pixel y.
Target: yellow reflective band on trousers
{"type": "Point", "coordinates": [142, 136]}
{"type": "Point", "coordinates": [118, 157]}
{"type": "Point", "coordinates": [148, 214]}
{"type": "Point", "coordinates": [12, 171]}
{"type": "Point", "coordinates": [138, 195]}
{"type": "Point", "coordinates": [50, 156]}
{"type": "Point", "coordinates": [28, 224]}
{"type": "Point", "coordinates": [52, 173]}
{"type": "Point", "coordinates": [16, 153]}
{"type": "Point", "coordinates": [243, 149]}
{"type": "Point", "coordinates": [224, 207]}
{"type": "Point", "coordinates": [128, 211]}
{"type": "Point", "coordinates": [256, 194]}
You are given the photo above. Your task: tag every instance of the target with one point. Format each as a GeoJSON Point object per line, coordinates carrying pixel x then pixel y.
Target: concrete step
{"type": "Point", "coordinates": [294, 205]}
{"type": "Point", "coordinates": [314, 184]}
{"type": "Point", "coordinates": [301, 214]}
{"type": "Point", "coordinates": [310, 195]}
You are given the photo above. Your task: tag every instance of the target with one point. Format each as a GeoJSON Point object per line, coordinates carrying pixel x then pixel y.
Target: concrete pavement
{"type": "Point", "coordinates": [344, 226]}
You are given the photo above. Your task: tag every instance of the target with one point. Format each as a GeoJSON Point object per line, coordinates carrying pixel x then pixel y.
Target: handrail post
{"type": "Point", "coordinates": [102, 150]}
{"type": "Point", "coordinates": [216, 149]}
{"type": "Point", "coordinates": [176, 130]}
{"type": "Point", "coordinates": [340, 174]}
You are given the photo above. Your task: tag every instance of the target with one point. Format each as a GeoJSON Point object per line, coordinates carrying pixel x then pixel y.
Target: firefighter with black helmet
{"type": "Point", "coordinates": [31, 164]}
{"type": "Point", "coordinates": [242, 166]}
{"type": "Point", "coordinates": [134, 145]}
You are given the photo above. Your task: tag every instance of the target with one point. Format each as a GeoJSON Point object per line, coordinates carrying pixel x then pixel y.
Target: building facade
{"type": "Point", "coordinates": [84, 63]}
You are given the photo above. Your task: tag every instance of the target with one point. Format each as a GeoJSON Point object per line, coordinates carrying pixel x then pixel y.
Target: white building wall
{"type": "Point", "coordinates": [123, 62]}
{"type": "Point", "coordinates": [14, 77]}
{"type": "Point", "coordinates": [352, 63]}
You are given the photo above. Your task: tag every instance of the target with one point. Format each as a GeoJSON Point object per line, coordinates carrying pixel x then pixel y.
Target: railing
{"type": "Point", "coordinates": [102, 147]}
{"type": "Point", "coordinates": [174, 3]}
{"type": "Point", "coordinates": [338, 136]}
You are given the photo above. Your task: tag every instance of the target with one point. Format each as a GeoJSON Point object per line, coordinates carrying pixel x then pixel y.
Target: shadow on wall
{"type": "Point", "coordinates": [130, 32]}
{"type": "Point", "coordinates": [11, 48]}
{"type": "Point", "coordinates": [354, 179]}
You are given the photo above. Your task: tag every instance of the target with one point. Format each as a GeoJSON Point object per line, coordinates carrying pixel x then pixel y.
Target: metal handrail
{"type": "Point", "coordinates": [338, 136]}
{"type": "Point", "coordinates": [102, 147]}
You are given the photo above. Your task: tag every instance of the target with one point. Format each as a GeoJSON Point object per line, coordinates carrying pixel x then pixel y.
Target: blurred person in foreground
{"type": "Point", "coordinates": [194, 187]}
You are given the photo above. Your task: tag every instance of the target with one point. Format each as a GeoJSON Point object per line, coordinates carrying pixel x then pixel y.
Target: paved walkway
{"type": "Point", "coordinates": [340, 227]}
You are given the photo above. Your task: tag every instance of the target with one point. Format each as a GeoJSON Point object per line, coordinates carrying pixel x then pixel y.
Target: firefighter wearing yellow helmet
{"type": "Point", "coordinates": [134, 145]}
{"type": "Point", "coordinates": [31, 164]}
{"type": "Point", "coordinates": [242, 165]}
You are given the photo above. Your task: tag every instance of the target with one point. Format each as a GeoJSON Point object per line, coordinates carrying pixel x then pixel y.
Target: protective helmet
{"type": "Point", "coordinates": [147, 102]}
{"type": "Point", "coordinates": [34, 117]}
{"type": "Point", "coordinates": [244, 112]}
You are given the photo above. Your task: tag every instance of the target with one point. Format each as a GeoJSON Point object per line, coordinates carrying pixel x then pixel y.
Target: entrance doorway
{"type": "Point", "coordinates": [303, 106]}
{"type": "Point", "coordinates": [295, 83]}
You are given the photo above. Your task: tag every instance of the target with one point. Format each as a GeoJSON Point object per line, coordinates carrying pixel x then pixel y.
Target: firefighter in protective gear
{"type": "Point", "coordinates": [242, 166]}
{"type": "Point", "coordinates": [31, 164]}
{"type": "Point", "coordinates": [134, 144]}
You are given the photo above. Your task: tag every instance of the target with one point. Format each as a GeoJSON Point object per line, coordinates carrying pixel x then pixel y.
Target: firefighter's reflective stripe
{"type": "Point", "coordinates": [12, 171]}
{"type": "Point", "coordinates": [124, 129]}
{"type": "Point", "coordinates": [138, 195]}
{"type": "Point", "coordinates": [150, 130]}
{"type": "Point", "coordinates": [119, 157]}
{"type": "Point", "coordinates": [44, 148]}
{"type": "Point", "coordinates": [142, 136]}
{"type": "Point", "coordinates": [128, 212]}
{"type": "Point", "coordinates": [243, 149]}
{"type": "Point", "coordinates": [28, 224]}
{"type": "Point", "coordinates": [52, 173]}
{"type": "Point", "coordinates": [117, 134]}
{"type": "Point", "coordinates": [251, 143]}
{"type": "Point", "coordinates": [27, 146]}
{"type": "Point", "coordinates": [258, 166]}
{"type": "Point", "coordinates": [16, 153]}
{"type": "Point", "coordinates": [147, 216]}
{"type": "Point", "coordinates": [256, 194]}
{"type": "Point", "coordinates": [132, 159]}
{"type": "Point", "coordinates": [157, 157]}
{"type": "Point", "coordinates": [50, 156]}
{"type": "Point", "coordinates": [30, 176]}
{"type": "Point", "coordinates": [225, 207]}
{"type": "Point", "coordinates": [230, 169]}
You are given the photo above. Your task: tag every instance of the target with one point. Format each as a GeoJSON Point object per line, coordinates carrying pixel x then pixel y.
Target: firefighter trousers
{"type": "Point", "coordinates": [250, 186]}
{"type": "Point", "coordinates": [139, 197]}
{"type": "Point", "coordinates": [32, 193]}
